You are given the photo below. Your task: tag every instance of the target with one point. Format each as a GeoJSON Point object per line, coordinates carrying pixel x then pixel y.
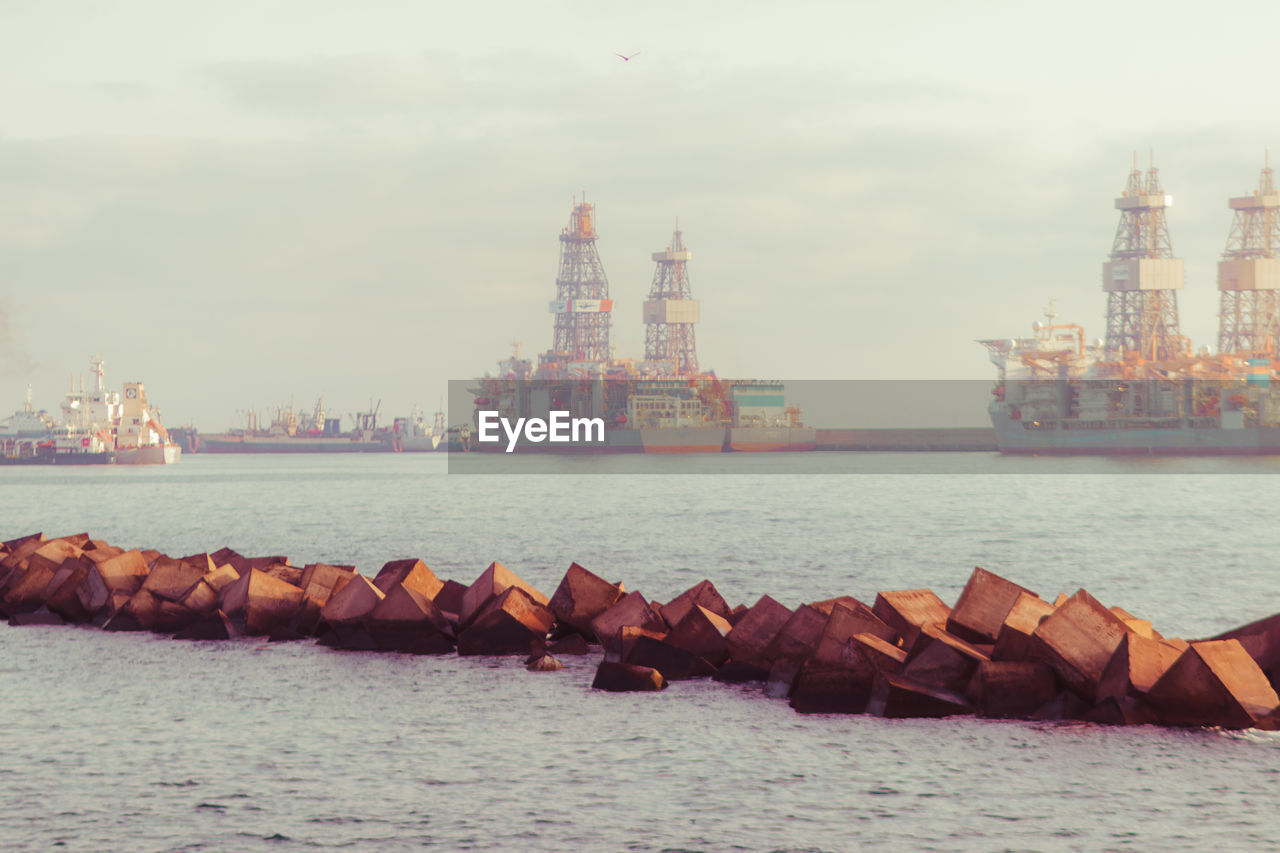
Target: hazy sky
{"type": "Point", "coordinates": [243, 203]}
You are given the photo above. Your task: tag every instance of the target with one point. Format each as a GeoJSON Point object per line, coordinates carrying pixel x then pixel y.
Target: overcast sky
{"type": "Point", "coordinates": [243, 203]}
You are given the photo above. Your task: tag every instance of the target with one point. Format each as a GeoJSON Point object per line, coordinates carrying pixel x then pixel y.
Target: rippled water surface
{"type": "Point", "coordinates": [132, 742]}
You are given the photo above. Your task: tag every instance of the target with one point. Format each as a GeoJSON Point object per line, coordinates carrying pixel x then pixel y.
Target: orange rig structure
{"type": "Point", "coordinates": [663, 403]}
{"type": "Point", "coordinates": [1143, 389]}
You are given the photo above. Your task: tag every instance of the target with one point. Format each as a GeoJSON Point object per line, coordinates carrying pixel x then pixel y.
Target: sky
{"type": "Point", "coordinates": [258, 202]}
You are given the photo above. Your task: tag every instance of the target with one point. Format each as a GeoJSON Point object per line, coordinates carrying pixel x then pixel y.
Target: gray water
{"type": "Point", "coordinates": [133, 742]}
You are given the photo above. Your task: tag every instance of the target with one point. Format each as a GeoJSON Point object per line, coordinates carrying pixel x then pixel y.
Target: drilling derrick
{"type": "Point", "coordinates": [1249, 273]}
{"type": "Point", "coordinates": [582, 305]}
{"type": "Point", "coordinates": [670, 312]}
{"type": "Point", "coordinates": [1143, 278]}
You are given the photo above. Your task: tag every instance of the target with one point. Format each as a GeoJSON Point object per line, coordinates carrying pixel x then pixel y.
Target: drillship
{"type": "Point", "coordinates": [663, 403]}
{"type": "Point", "coordinates": [1143, 390]}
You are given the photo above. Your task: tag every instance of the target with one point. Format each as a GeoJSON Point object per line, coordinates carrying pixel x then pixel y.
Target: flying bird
{"type": "Point", "coordinates": [627, 58]}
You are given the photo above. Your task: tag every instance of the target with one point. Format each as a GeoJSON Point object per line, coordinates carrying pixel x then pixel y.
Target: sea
{"type": "Point", "coordinates": [131, 742]}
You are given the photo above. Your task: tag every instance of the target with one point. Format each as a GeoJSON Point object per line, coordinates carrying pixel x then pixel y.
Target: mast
{"type": "Point", "coordinates": [1249, 273]}
{"type": "Point", "coordinates": [1142, 277]}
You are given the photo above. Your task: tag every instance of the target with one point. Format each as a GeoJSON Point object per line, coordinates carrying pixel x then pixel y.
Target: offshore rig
{"type": "Point", "coordinates": [662, 403]}
{"type": "Point", "coordinates": [1143, 389]}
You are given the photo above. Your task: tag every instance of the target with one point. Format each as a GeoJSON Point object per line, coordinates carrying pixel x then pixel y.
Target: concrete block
{"type": "Point", "coordinates": [898, 696]}
{"type": "Point", "coordinates": [753, 633]}
{"type": "Point", "coordinates": [512, 623]}
{"type": "Point", "coordinates": [258, 602]}
{"type": "Point", "coordinates": [627, 678]}
{"type": "Point", "coordinates": [942, 660]}
{"type": "Point", "coordinates": [739, 672]}
{"type": "Point", "coordinates": [1064, 706]}
{"type": "Point", "coordinates": [1213, 683]}
{"type": "Point", "coordinates": [60, 595]}
{"type": "Point", "coordinates": [632, 609]}
{"type": "Point", "coordinates": [215, 626]}
{"type": "Point", "coordinates": [43, 616]}
{"type": "Point", "coordinates": [1121, 711]}
{"type": "Point", "coordinates": [492, 582]}
{"type": "Point", "coordinates": [702, 634]}
{"type": "Point", "coordinates": [573, 644]}
{"type": "Point", "coordinates": [1078, 640]}
{"type": "Point", "coordinates": [543, 663]}
{"type": "Point", "coordinates": [618, 647]}
{"type": "Point", "coordinates": [352, 603]}
{"type": "Point", "coordinates": [1261, 639]}
{"type": "Point", "coordinates": [411, 573]}
{"type": "Point", "coordinates": [906, 610]}
{"type": "Point", "coordinates": [838, 679]}
{"type": "Point", "coordinates": [407, 621]}
{"type": "Point", "coordinates": [882, 655]}
{"type": "Point", "coordinates": [582, 596]}
{"type": "Point", "coordinates": [798, 638]}
{"type": "Point", "coordinates": [673, 662]}
{"type": "Point", "coordinates": [1014, 689]}
{"type": "Point", "coordinates": [702, 594]}
{"type": "Point", "coordinates": [983, 606]}
{"type": "Point", "coordinates": [449, 599]}
{"type": "Point", "coordinates": [172, 579]}
{"type": "Point", "coordinates": [1014, 641]}
{"type": "Point", "coordinates": [1136, 666]}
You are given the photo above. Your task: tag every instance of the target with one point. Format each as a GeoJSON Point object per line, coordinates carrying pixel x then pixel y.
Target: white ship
{"type": "Point", "coordinates": [414, 435]}
{"type": "Point", "coordinates": [101, 426]}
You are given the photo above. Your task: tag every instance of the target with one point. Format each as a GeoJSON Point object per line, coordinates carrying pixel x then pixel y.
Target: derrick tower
{"type": "Point", "coordinates": [1143, 278]}
{"type": "Point", "coordinates": [582, 306]}
{"type": "Point", "coordinates": [670, 312]}
{"type": "Point", "coordinates": [1249, 273]}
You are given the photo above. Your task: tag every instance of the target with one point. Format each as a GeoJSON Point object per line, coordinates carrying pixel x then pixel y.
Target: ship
{"type": "Point", "coordinates": [97, 427]}
{"type": "Point", "coordinates": [413, 434]}
{"type": "Point", "coordinates": [661, 403]}
{"type": "Point", "coordinates": [1057, 395]}
{"type": "Point", "coordinates": [293, 432]}
{"type": "Point", "coordinates": [663, 415]}
{"type": "Point", "coordinates": [26, 435]}
{"type": "Point", "coordinates": [1143, 390]}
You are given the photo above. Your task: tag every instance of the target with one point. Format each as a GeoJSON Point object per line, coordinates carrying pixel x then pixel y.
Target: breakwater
{"type": "Point", "coordinates": [1000, 651]}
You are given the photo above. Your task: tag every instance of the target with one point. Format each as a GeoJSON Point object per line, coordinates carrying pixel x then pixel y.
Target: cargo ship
{"type": "Point", "coordinates": [97, 427]}
{"type": "Point", "coordinates": [291, 432]}
{"type": "Point", "coordinates": [1143, 390]}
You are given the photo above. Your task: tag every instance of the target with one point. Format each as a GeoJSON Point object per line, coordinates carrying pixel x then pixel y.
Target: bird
{"type": "Point", "coordinates": [627, 58]}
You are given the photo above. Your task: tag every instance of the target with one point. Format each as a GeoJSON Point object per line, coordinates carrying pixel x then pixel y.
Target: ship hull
{"type": "Point", "coordinates": [166, 454]}
{"type": "Point", "coordinates": [212, 444]}
{"type": "Point", "coordinates": [1015, 437]}
{"type": "Point", "coordinates": [83, 458]}
{"type": "Point", "coordinates": [772, 439]}
{"type": "Point", "coordinates": [615, 441]}
{"type": "Point", "coordinates": [683, 439]}
{"type": "Point", "coordinates": [416, 443]}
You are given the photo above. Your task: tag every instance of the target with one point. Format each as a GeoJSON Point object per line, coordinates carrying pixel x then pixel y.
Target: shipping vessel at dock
{"type": "Point", "coordinates": [97, 427]}
{"type": "Point", "coordinates": [663, 403]}
{"type": "Point", "coordinates": [1143, 390]}
{"type": "Point", "coordinates": [291, 432]}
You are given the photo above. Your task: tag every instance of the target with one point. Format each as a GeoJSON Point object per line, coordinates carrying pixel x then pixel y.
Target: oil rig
{"type": "Point", "coordinates": [664, 402]}
{"type": "Point", "coordinates": [1143, 389]}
